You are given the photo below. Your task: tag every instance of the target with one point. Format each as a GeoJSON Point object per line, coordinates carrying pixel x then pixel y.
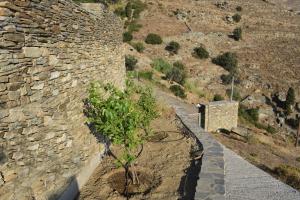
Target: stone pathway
{"type": "Point", "coordinates": [224, 174]}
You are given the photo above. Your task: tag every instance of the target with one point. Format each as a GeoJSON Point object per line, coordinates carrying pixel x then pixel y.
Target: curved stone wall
{"type": "Point", "coordinates": [50, 50]}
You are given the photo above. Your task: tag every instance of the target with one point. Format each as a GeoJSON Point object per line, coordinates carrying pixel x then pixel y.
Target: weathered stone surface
{"type": "Point", "coordinates": [49, 53]}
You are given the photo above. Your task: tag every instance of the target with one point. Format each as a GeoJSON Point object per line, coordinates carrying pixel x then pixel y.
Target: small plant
{"type": "Point", "coordinates": [290, 98]}
{"type": "Point", "coordinates": [127, 37]}
{"type": "Point", "coordinates": [134, 27]}
{"type": "Point", "coordinates": [226, 79]}
{"type": "Point", "coordinates": [178, 65]}
{"type": "Point", "coordinates": [236, 94]}
{"type": "Point", "coordinates": [138, 7]}
{"type": "Point", "coordinates": [218, 97]}
{"type": "Point", "coordinates": [177, 75]}
{"type": "Point", "coordinates": [178, 91]}
{"type": "Point", "coordinates": [239, 8]}
{"type": "Point", "coordinates": [228, 61]}
{"type": "Point", "coordinates": [153, 38]}
{"type": "Point", "coordinates": [146, 75]}
{"type": "Point", "coordinates": [173, 47]}
{"type": "Point", "coordinates": [289, 174]}
{"type": "Point", "coordinates": [138, 46]}
{"type": "Point", "coordinates": [130, 62]}
{"type": "Point", "coordinates": [237, 17]}
{"type": "Point", "coordinates": [161, 65]}
{"type": "Point", "coordinates": [237, 34]}
{"type": "Point", "coordinates": [201, 52]}
{"type": "Point", "coordinates": [118, 116]}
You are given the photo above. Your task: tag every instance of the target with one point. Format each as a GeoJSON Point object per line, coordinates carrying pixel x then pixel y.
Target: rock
{"type": "Point", "coordinates": [3, 113]}
{"type": "Point", "coordinates": [3, 79]}
{"type": "Point", "coordinates": [254, 100]}
{"type": "Point", "coordinates": [30, 130]}
{"type": "Point", "coordinates": [281, 96]}
{"type": "Point", "coordinates": [5, 12]}
{"type": "Point", "coordinates": [14, 37]}
{"type": "Point", "coordinates": [54, 75]}
{"type": "Point", "coordinates": [53, 60]}
{"type": "Point", "coordinates": [38, 86]}
{"type": "Point", "coordinates": [17, 156]}
{"type": "Point", "coordinates": [2, 87]}
{"type": "Point", "coordinates": [33, 147]}
{"type": "Point", "coordinates": [32, 52]}
{"type": "Point", "coordinates": [229, 19]}
{"type": "Point", "coordinates": [266, 113]}
{"type": "Point", "coordinates": [9, 135]}
{"type": "Point", "coordinates": [223, 5]}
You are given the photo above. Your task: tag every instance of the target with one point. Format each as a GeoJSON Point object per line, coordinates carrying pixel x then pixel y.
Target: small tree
{"type": "Point", "coordinates": [201, 52]}
{"type": "Point", "coordinates": [130, 62]}
{"type": "Point", "coordinates": [239, 8]}
{"type": "Point", "coordinates": [290, 97]}
{"type": "Point", "coordinates": [173, 47]}
{"type": "Point", "coordinates": [139, 46]}
{"type": "Point", "coordinates": [237, 34]}
{"type": "Point", "coordinates": [118, 116]}
{"type": "Point", "coordinates": [153, 38]}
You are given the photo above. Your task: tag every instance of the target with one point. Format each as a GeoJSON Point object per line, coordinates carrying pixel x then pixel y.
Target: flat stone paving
{"type": "Point", "coordinates": [245, 181]}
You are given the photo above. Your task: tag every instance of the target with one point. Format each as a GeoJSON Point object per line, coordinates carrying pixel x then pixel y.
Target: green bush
{"type": "Point", "coordinates": [289, 174]}
{"type": "Point", "coordinates": [120, 12]}
{"type": "Point", "coordinates": [236, 94]}
{"type": "Point", "coordinates": [153, 38]}
{"type": "Point", "coordinates": [178, 65]}
{"type": "Point", "coordinates": [127, 37]}
{"type": "Point", "coordinates": [239, 8]}
{"type": "Point", "coordinates": [178, 91]}
{"type": "Point", "coordinates": [139, 46]}
{"type": "Point", "coordinates": [237, 17]}
{"type": "Point", "coordinates": [134, 27]}
{"type": "Point", "coordinates": [146, 75]}
{"type": "Point", "coordinates": [227, 60]}
{"type": "Point", "coordinates": [177, 75]}
{"type": "Point", "coordinates": [218, 97]}
{"type": "Point", "coordinates": [130, 62]}
{"type": "Point", "coordinates": [173, 47]}
{"type": "Point", "coordinates": [161, 65]}
{"type": "Point", "coordinates": [290, 97]}
{"type": "Point", "coordinates": [226, 79]}
{"type": "Point", "coordinates": [138, 7]}
{"type": "Point", "coordinates": [237, 34]}
{"type": "Point", "coordinates": [251, 115]}
{"type": "Point", "coordinates": [201, 52]}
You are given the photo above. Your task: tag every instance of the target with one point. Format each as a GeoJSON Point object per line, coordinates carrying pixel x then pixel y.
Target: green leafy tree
{"type": "Point", "coordinates": [237, 17]}
{"type": "Point", "coordinates": [130, 62]}
{"type": "Point", "coordinates": [118, 116]}
{"type": "Point", "coordinates": [127, 37]}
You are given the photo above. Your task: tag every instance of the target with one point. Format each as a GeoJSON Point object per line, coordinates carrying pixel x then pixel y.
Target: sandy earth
{"type": "Point", "coordinates": [167, 159]}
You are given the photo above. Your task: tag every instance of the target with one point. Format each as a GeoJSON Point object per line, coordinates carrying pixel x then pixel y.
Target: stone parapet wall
{"type": "Point", "coordinates": [50, 51]}
{"type": "Point", "coordinates": [221, 115]}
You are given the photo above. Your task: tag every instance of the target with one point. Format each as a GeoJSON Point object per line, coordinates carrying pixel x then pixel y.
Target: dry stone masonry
{"type": "Point", "coordinates": [220, 115]}
{"type": "Point", "coordinates": [50, 50]}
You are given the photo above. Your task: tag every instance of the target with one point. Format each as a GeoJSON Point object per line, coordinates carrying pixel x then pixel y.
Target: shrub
{"type": "Point", "coordinates": [138, 7]}
{"type": "Point", "coordinates": [127, 37]}
{"type": "Point", "coordinates": [153, 38]}
{"type": "Point", "coordinates": [237, 34]}
{"type": "Point", "coordinates": [161, 65]}
{"type": "Point", "coordinates": [128, 10]}
{"type": "Point", "coordinates": [251, 115]}
{"type": "Point", "coordinates": [226, 79]}
{"type": "Point", "coordinates": [201, 52]}
{"type": "Point", "coordinates": [218, 97]}
{"type": "Point", "coordinates": [146, 75]}
{"type": "Point", "coordinates": [227, 60]}
{"type": "Point", "coordinates": [120, 12]}
{"type": "Point", "coordinates": [139, 46]}
{"type": "Point", "coordinates": [177, 75]}
{"type": "Point", "coordinates": [173, 47]}
{"type": "Point", "coordinates": [239, 8]}
{"type": "Point", "coordinates": [289, 174]}
{"type": "Point", "coordinates": [236, 94]}
{"type": "Point", "coordinates": [237, 17]}
{"type": "Point", "coordinates": [130, 62]}
{"type": "Point", "coordinates": [290, 97]}
{"type": "Point", "coordinates": [134, 27]}
{"type": "Point", "coordinates": [178, 91]}
{"type": "Point", "coordinates": [178, 65]}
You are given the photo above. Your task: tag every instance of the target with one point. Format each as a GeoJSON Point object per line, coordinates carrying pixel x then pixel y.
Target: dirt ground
{"type": "Point", "coordinates": [167, 159]}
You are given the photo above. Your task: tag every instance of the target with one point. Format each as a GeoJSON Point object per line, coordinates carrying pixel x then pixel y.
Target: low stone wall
{"type": "Point", "coordinates": [221, 115]}
{"type": "Point", "coordinates": [50, 51]}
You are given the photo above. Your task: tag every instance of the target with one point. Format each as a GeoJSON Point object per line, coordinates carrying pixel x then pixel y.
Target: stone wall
{"type": "Point", "coordinates": [221, 115]}
{"type": "Point", "coordinates": [50, 50]}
